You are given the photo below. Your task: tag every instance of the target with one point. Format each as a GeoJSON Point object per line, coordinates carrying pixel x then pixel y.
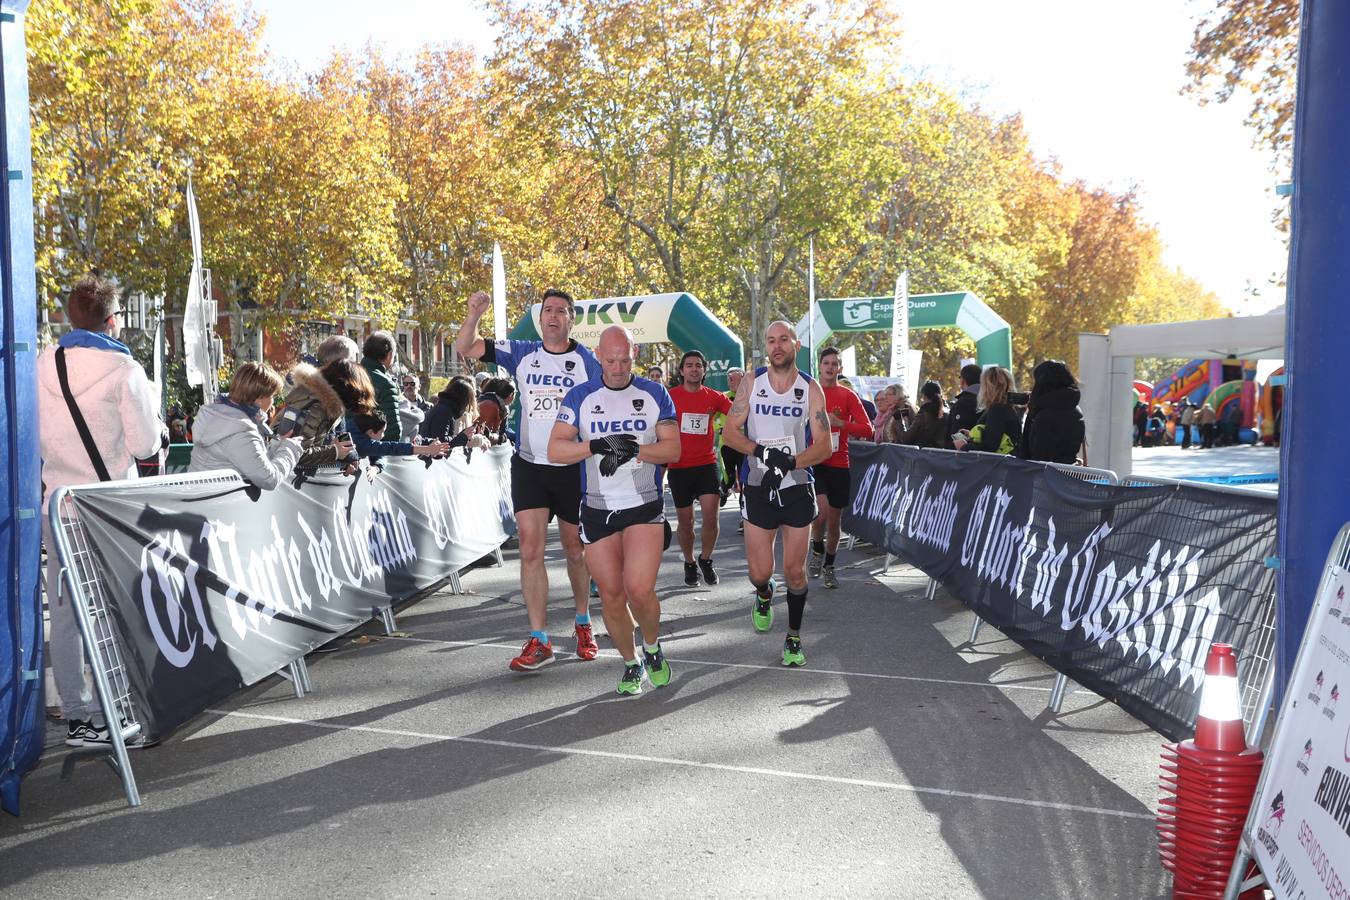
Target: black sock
{"type": "Point", "coordinates": [762, 589]}
{"type": "Point", "coordinates": [818, 546]}
{"type": "Point", "coordinates": [796, 604]}
{"type": "Point", "coordinates": [829, 559]}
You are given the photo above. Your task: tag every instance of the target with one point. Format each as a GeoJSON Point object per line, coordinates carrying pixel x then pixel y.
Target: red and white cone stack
{"type": "Point", "coordinates": [1207, 786]}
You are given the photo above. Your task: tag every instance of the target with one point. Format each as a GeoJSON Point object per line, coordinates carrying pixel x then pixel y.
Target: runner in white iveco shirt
{"type": "Point", "coordinates": [542, 488]}
{"type": "Point", "coordinates": [779, 422]}
{"type": "Point", "coordinates": [622, 429]}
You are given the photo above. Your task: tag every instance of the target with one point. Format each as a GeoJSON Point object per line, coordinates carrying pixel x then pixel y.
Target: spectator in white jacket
{"type": "Point", "coordinates": [120, 409]}
{"type": "Point", "coordinates": [232, 433]}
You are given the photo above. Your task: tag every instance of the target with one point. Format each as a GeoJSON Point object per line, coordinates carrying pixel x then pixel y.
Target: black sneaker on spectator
{"type": "Point", "coordinates": [86, 734]}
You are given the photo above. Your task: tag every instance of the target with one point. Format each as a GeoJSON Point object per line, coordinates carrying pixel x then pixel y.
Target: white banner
{"type": "Point", "coordinates": [1300, 823]}
{"type": "Point", "coordinates": [900, 332]}
{"type": "Point", "coordinates": [198, 314]}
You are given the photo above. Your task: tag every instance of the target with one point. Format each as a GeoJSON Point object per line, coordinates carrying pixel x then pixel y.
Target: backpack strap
{"type": "Point", "coordinates": [80, 425]}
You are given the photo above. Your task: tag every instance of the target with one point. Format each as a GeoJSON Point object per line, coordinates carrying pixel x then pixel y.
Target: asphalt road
{"type": "Point", "coordinates": [903, 761]}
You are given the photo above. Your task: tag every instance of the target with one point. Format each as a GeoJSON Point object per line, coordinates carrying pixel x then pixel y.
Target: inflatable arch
{"type": "Point", "coordinates": [962, 309]}
{"type": "Point", "coordinates": [677, 318]}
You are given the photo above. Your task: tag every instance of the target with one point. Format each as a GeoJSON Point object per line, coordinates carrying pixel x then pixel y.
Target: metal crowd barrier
{"type": "Point", "coordinates": [1256, 671]}
{"type": "Point", "coordinates": [80, 578]}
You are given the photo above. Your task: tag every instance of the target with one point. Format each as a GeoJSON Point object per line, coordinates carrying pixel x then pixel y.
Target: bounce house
{"type": "Point", "coordinates": [1270, 403]}
{"type": "Point", "coordinates": [1231, 402]}
{"type": "Point", "coordinates": [1219, 383]}
{"type": "Point", "coordinates": [1143, 393]}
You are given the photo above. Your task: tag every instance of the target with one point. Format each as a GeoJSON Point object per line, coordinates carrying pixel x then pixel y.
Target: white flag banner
{"type": "Point", "coordinates": [900, 332]}
{"type": "Point", "coordinates": [498, 294]}
{"type": "Point", "coordinates": [848, 362]}
{"type": "Point", "coordinates": [197, 324]}
{"type": "Point", "coordinates": [811, 309]}
{"type": "Point", "coordinates": [158, 355]}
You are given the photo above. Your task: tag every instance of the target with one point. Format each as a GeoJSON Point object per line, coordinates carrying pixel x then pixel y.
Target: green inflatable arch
{"type": "Point", "coordinates": [679, 319]}
{"type": "Point", "coordinates": [962, 309]}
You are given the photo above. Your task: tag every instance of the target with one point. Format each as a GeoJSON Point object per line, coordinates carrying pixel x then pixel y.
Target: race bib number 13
{"type": "Point", "coordinates": [694, 423]}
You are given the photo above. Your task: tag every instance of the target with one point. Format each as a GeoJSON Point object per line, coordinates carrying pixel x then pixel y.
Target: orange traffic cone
{"type": "Point", "coordinates": [1218, 725]}
{"type": "Point", "coordinates": [1207, 786]}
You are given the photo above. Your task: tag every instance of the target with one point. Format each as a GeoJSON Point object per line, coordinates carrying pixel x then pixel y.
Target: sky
{"type": "Point", "coordinates": [1096, 83]}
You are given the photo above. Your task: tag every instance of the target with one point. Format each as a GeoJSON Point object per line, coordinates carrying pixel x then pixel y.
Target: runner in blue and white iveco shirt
{"type": "Point", "coordinates": [623, 431]}
{"type": "Point", "coordinates": [779, 422]}
{"type": "Point", "coordinates": [542, 488]}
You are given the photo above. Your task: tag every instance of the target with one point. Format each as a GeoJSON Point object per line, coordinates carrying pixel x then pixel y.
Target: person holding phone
{"type": "Point", "coordinates": [233, 433]}
{"type": "Point", "coordinates": [311, 395]}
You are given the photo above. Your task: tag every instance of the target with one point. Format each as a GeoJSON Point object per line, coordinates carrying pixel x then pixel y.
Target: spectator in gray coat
{"type": "Point", "coordinates": [232, 433]}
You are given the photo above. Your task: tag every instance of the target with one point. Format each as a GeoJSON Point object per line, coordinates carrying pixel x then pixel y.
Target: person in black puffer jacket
{"type": "Point", "coordinates": [964, 411]}
{"type": "Point", "coordinates": [442, 420]}
{"type": "Point", "coordinates": [929, 427]}
{"type": "Point", "coordinates": [1054, 425]}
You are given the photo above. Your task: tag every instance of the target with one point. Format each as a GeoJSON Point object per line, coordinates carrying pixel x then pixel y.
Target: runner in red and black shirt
{"type": "Point", "coordinates": [847, 419]}
{"type": "Point", "coordinates": [694, 475]}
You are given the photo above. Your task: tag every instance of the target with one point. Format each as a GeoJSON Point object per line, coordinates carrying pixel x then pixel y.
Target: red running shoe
{"type": "Point", "coordinates": [534, 655]}
{"type": "Point", "coordinates": [587, 648]}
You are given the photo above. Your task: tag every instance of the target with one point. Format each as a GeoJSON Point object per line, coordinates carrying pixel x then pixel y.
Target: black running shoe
{"type": "Point", "coordinates": [709, 573]}
{"type": "Point", "coordinates": [691, 574]}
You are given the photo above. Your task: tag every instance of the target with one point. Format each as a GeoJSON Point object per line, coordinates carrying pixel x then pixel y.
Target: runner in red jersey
{"type": "Point", "coordinates": [694, 475]}
{"type": "Point", "coordinates": [847, 419]}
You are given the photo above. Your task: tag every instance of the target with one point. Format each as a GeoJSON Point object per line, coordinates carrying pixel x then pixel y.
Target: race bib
{"type": "Point", "coordinates": [633, 465]}
{"type": "Point", "coordinates": [834, 442]}
{"type": "Point", "coordinates": [544, 403]}
{"type": "Point", "coordinates": [694, 423]}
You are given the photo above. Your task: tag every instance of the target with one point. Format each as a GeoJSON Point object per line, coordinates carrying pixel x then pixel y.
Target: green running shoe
{"type": "Point", "coordinates": [792, 652]}
{"type": "Point", "coordinates": [761, 612]}
{"type": "Point", "coordinates": [631, 682]}
{"type": "Point", "coordinates": [658, 670]}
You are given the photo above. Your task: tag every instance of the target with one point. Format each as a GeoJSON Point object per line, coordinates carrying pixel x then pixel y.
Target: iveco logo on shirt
{"type": "Point", "coordinates": [600, 426]}
{"type": "Point", "coordinates": [549, 380]}
{"type": "Point", "coordinates": [773, 409]}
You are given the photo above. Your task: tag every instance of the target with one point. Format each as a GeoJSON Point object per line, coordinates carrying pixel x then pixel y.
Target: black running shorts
{"type": "Point", "coordinates": [598, 524]}
{"type": "Point", "coordinates": [554, 488]}
{"type": "Point", "coordinates": [687, 485]}
{"type": "Point", "coordinates": [795, 507]}
{"type": "Point", "coordinates": [832, 481]}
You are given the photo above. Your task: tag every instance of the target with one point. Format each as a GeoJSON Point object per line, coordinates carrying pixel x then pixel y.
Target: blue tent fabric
{"type": "Point", "coordinates": [22, 729]}
{"type": "Point", "coordinates": [1315, 502]}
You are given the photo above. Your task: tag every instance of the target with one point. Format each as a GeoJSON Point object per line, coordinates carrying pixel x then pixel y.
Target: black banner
{"type": "Point", "coordinates": [213, 585]}
{"type": "Point", "coordinates": [1123, 589]}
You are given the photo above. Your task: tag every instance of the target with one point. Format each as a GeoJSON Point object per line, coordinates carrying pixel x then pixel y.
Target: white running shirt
{"type": "Point", "coordinates": [599, 411]}
{"type": "Point", "coordinates": [778, 420]}
{"type": "Point", "coordinates": [543, 378]}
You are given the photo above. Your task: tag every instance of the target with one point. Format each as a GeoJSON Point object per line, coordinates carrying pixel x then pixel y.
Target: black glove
{"type": "Point", "coordinates": [776, 458]}
{"type": "Point", "coordinates": [772, 479]}
{"type": "Point", "coordinates": [614, 451]}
